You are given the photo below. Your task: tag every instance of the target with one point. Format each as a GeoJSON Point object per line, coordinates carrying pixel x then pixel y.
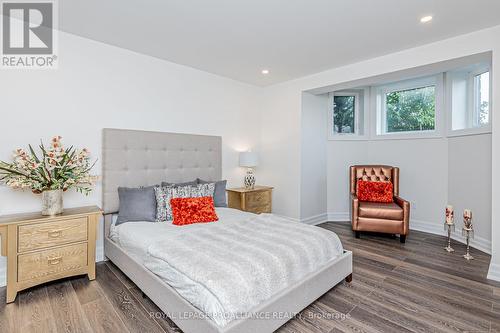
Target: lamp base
{"type": "Point", "coordinates": [249, 179]}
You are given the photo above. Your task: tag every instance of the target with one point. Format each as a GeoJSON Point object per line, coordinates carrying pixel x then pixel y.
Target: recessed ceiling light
{"type": "Point", "coordinates": [426, 19]}
{"type": "Point", "coordinates": [265, 71]}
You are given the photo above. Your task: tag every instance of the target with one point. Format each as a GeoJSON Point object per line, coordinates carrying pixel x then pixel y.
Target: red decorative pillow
{"type": "Point", "coordinates": [193, 210]}
{"type": "Point", "coordinates": [375, 191]}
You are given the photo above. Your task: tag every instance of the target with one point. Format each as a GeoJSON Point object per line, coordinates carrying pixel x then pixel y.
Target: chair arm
{"type": "Point", "coordinates": [354, 211]}
{"type": "Point", "coordinates": [406, 212]}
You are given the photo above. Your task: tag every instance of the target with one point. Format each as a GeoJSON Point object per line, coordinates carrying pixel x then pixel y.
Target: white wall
{"type": "Point", "coordinates": [434, 173]}
{"type": "Point", "coordinates": [280, 156]}
{"type": "Point", "coordinates": [99, 86]}
{"type": "Point", "coordinates": [423, 167]}
{"type": "Point", "coordinates": [469, 183]}
{"type": "Point", "coordinates": [282, 104]}
{"type": "Point", "coordinates": [494, 272]}
{"type": "Point", "coordinates": [313, 157]}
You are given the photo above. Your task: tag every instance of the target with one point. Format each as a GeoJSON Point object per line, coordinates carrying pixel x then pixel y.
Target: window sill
{"type": "Point", "coordinates": [470, 131]}
{"type": "Point", "coordinates": [408, 136]}
{"type": "Point", "coordinates": [348, 138]}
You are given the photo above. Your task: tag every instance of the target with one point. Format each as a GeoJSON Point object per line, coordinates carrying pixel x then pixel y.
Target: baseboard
{"type": "Point", "coordinates": [288, 217]}
{"type": "Point", "coordinates": [316, 219]}
{"type": "Point", "coordinates": [494, 272]}
{"type": "Point", "coordinates": [3, 276]}
{"type": "Point", "coordinates": [479, 243]}
{"type": "Point", "coordinates": [99, 253]}
{"type": "Point", "coordinates": [425, 226]}
{"type": "Point", "coordinates": [339, 217]}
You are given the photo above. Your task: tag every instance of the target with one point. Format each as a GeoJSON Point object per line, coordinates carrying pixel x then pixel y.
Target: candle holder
{"type": "Point", "coordinates": [450, 227]}
{"type": "Point", "coordinates": [468, 231]}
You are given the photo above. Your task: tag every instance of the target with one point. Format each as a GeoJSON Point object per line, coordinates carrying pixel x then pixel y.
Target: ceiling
{"type": "Point", "coordinates": [291, 38]}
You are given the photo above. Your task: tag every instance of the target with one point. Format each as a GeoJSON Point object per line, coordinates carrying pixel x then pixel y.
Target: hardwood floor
{"type": "Point", "coordinates": [412, 287]}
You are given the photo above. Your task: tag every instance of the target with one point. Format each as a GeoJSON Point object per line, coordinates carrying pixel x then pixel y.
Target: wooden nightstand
{"type": "Point", "coordinates": [257, 200]}
{"type": "Point", "coordinates": [40, 248]}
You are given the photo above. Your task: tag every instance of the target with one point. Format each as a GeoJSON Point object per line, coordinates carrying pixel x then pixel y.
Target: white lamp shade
{"type": "Point", "coordinates": [249, 159]}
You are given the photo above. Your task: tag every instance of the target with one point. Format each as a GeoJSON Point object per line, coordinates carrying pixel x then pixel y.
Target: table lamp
{"type": "Point", "coordinates": [249, 160]}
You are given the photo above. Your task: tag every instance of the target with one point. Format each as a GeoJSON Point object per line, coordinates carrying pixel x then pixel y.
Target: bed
{"type": "Point", "coordinates": [139, 158]}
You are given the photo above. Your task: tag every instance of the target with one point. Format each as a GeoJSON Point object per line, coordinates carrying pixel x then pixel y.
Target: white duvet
{"type": "Point", "coordinates": [228, 267]}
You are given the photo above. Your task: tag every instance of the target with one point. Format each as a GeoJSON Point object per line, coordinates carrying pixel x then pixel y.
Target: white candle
{"type": "Point", "coordinates": [449, 214]}
{"type": "Point", "coordinates": [467, 214]}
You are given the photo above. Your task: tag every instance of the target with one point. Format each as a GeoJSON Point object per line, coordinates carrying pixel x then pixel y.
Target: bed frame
{"type": "Point", "coordinates": [139, 158]}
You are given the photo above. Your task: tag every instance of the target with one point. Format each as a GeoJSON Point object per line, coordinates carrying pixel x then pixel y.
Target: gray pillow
{"type": "Point", "coordinates": [190, 183]}
{"type": "Point", "coordinates": [136, 204]}
{"type": "Point", "coordinates": [219, 193]}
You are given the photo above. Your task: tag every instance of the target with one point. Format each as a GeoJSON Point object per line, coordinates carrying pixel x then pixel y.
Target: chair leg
{"type": "Point", "coordinates": [357, 234]}
{"type": "Point", "coordinates": [402, 238]}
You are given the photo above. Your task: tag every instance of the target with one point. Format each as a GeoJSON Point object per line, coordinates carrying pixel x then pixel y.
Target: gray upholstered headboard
{"type": "Point", "coordinates": [140, 158]}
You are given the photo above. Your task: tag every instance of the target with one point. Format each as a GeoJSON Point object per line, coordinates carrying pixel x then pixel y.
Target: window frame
{"type": "Point", "coordinates": [474, 98]}
{"type": "Point", "coordinates": [357, 116]}
{"type": "Point", "coordinates": [471, 105]}
{"type": "Point", "coordinates": [379, 110]}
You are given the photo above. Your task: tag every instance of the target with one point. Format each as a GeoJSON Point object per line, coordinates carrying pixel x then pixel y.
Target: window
{"type": "Point", "coordinates": [411, 110]}
{"type": "Point", "coordinates": [407, 107]}
{"type": "Point", "coordinates": [481, 112]}
{"type": "Point", "coordinates": [470, 100]}
{"type": "Point", "coordinates": [344, 113]}
{"type": "Point", "coordinates": [449, 103]}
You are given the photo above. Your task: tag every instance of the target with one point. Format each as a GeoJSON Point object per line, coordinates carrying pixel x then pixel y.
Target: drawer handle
{"type": "Point", "coordinates": [54, 261]}
{"type": "Point", "coordinates": [55, 233]}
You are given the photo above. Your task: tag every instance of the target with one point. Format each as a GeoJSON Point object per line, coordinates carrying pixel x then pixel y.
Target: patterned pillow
{"type": "Point", "coordinates": [166, 193]}
{"type": "Point", "coordinates": [193, 210]}
{"type": "Point", "coordinates": [375, 191]}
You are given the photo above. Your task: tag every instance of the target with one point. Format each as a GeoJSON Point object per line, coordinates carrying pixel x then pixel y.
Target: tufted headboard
{"type": "Point", "coordinates": [374, 173]}
{"type": "Point", "coordinates": [140, 158]}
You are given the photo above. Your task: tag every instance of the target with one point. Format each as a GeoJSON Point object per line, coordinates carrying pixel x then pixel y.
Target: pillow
{"type": "Point", "coordinates": [375, 191]}
{"type": "Point", "coordinates": [136, 204]}
{"type": "Point", "coordinates": [192, 183]}
{"type": "Point", "coordinates": [219, 193]}
{"type": "Point", "coordinates": [165, 193]}
{"type": "Point", "coordinates": [193, 210]}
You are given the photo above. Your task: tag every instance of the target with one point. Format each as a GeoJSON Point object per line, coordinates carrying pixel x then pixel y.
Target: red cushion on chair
{"type": "Point", "coordinates": [193, 210]}
{"type": "Point", "coordinates": [375, 191]}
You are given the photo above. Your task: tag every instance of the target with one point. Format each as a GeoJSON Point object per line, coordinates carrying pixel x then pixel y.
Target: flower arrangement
{"type": "Point", "coordinates": [55, 168]}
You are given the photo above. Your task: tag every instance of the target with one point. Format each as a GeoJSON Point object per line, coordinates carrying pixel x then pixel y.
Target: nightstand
{"type": "Point", "coordinates": [257, 200]}
{"type": "Point", "coordinates": [40, 248]}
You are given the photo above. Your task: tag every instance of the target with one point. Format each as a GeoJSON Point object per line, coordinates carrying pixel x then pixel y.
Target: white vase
{"type": "Point", "coordinates": [249, 179]}
{"type": "Point", "coordinates": [52, 202]}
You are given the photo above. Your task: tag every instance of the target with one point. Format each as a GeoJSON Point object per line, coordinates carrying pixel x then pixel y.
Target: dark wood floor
{"type": "Point", "coordinates": [412, 287]}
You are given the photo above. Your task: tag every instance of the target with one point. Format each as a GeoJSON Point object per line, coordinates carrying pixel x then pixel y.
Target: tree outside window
{"type": "Point", "coordinates": [344, 114]}
{"type": "Point", "coordinates": [482, 98]}
{"type": "Point", "coordinates": [411, 110]}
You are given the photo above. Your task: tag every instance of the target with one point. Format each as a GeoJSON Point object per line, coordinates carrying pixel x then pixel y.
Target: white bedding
{"type": "Point", "coordinates": [228, 267]}
{"type": "Point", "coordinates": [135, 237]}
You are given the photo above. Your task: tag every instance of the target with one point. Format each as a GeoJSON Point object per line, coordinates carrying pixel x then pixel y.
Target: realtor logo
{"type": "Point", "coordinates": [28, 34]}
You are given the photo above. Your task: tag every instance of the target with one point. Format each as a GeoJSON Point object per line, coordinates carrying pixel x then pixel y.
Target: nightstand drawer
{"type": "Point", "coordinates": [258, 199]}
{"type": "Point", "coordinates": [259, 209]}
{"type": "Point", "coordinates": [43, 235]}
{"type": "Point", "coordinates": [39, 265]}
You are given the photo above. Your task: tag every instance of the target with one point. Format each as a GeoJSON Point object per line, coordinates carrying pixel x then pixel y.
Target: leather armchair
{"type": "Point", "coordinates": [392, 218]}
